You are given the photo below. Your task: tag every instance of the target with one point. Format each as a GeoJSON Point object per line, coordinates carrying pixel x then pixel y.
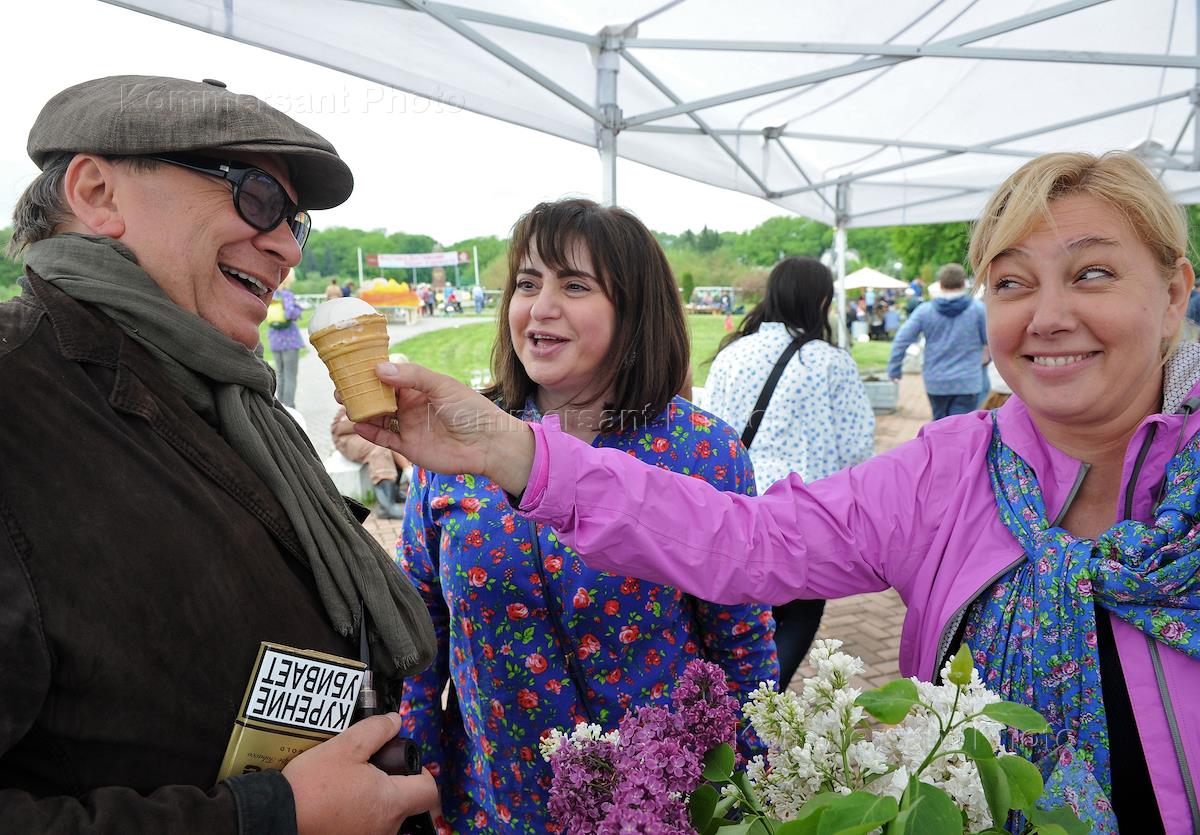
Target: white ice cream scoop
{"type": "Point", "coordinates": [345, 309]}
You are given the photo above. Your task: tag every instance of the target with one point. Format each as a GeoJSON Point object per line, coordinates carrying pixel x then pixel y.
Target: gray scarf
{"type": "Point", "coordinates": [233, 390]}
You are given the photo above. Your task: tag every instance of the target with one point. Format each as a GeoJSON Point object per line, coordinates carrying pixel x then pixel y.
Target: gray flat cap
{"type": "Point", "coordinates": [144, 114]}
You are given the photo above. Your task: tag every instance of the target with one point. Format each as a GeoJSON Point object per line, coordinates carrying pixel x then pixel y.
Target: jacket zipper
{"type": "Point", "coordinates": [1159, 677]}
{"type": "Point", "coordinates": [570, 655]}
{"type": "Point", "coordinates": [951, 627]}
{"type": "Point", "coordinates": [1180, 754]}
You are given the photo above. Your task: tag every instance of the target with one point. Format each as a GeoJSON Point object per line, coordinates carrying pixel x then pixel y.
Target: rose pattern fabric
{"type": "Point", "coordinates": [494, 608]}
{"type": "Point", "coordinates": [1034, 634]}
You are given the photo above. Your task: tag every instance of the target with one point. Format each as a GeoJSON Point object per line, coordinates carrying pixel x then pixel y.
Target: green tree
{"type": "Point", "coordinates": [490, 248]}
{"type": "Point", "coordinates": [780, 237]}
{"type": "Point", "coordinates": [687, 284]}
{"type": "Point", "coordinates": [874, 247]}
{"type": "Point", "coordinates": [708, 240]}
{"type": "Point", "coordinates": [925, 248]}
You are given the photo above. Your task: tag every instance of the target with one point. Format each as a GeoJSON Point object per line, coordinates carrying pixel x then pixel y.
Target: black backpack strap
{"type": "Point", "coordinates": [764, 397]}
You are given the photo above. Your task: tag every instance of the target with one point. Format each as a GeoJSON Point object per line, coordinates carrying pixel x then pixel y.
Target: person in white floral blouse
{"type": "Point", "coordinates": [818, 419]}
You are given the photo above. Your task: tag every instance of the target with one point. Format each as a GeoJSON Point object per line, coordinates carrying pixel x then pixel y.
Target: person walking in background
{"type": "Point", "coordinates": [592, 339]}
{"type": "Point", "coordinates": [955, 330]}
{"type": "Point", "coordinates": [348, 289]}
{"type": "Point", "coordinates": [285, 340]}
{"type": "Point", "coordinates": [478, 297]}
{"type": "Point", "coordinates": [915, 294]}
{"type": "Point", "coordinates": [332, 291]}
{"type": "Point", "coordinates": [811, 416]}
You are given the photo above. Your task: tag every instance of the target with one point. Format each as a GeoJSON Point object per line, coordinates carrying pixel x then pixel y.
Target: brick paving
{"type": "Point", "coordinates": [869, 624]}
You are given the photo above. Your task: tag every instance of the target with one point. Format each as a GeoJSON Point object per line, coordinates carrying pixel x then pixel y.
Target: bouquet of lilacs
{"type": "Point", "coordinates": [937, 768]}
{"type": "Point", "coordinates": [638, 778]}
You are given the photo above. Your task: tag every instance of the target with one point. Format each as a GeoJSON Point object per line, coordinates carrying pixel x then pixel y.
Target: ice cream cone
{"type": "Point", "coordinates": [350, 350]}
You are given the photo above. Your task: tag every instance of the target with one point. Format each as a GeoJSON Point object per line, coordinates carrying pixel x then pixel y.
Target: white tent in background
{"type": "Point", "coordinates": [867, 277]}
{"type": "Point", "coordinates": [851, 112]}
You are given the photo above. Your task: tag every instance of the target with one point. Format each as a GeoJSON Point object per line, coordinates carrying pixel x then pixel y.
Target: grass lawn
{"type": "Point", "coordinates": [465, 352]}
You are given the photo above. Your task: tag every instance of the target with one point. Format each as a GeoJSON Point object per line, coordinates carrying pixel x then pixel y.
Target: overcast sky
{"type": "Point", "coordinates": [419, 166]}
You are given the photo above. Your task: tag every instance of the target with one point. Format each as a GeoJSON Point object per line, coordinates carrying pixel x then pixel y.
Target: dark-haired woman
{"type": "Point", "coordinates": [818, 419]}
{"type": "Point", "coordinates": [593, 340]}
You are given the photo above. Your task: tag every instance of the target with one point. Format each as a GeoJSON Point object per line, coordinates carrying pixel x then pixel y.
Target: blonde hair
{"type": "Point", "coordinates": [1117, 179]}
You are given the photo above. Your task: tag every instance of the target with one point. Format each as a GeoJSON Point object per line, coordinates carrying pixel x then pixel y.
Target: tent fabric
{"type": "Point", "coordinates": [920, 107]}
{"type": "Point", "coordinates": [867, 277]}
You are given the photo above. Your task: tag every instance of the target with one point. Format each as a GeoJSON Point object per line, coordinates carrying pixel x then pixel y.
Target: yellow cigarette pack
{"type": "Point", "coordinates": [295, 699]}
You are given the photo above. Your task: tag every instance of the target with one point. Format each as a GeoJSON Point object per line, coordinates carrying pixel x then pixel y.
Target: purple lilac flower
{"type": "Point", "coordinates": [637, 809]}
{"type": "Point", "coordinates": [655, 749]}
{"type": "Point", "coordinates": [704, 707]}
{"type": "Point", "coordinates": [582, 786]}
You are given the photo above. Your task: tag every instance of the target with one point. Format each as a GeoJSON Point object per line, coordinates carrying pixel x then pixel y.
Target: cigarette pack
{"type": "Point", "coordinates": [295, 699]}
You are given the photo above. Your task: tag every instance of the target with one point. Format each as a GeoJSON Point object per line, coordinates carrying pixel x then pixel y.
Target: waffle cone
{"type": "Point", "coordinates": [351, 350]}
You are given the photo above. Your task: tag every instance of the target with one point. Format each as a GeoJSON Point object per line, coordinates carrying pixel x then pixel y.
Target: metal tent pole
{"type": "Point", "coordinates": [608, 63]}
{"type": "Point", "coordinates": [839, 260]}
{"type": "Point", "coordinates": [1195, 99]}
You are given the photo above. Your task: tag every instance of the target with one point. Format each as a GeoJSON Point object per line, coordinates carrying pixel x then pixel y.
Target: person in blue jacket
{"type": "Point", "coordinates": [955, 331]}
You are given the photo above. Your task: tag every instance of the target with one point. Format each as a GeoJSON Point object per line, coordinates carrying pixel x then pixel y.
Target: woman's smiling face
{"type": "Point", "coordinates": [562, 325]}
{"type": "Point", "coordinates": [1078, 313]}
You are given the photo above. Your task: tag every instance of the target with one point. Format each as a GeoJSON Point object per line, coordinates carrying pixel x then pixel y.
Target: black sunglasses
{"type": "Point", "coordinates": [259, 198]}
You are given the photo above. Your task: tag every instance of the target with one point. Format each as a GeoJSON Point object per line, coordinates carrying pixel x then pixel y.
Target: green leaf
{"type": "Point", "coordinates": [1050, 829]}
{"type": "Point", "coordinates": [1017, 716]}
{"type": "Point", "coordinates": [815, 806]}
{"type": "Point", "coordinates": [701, 806]}
{"type": "Point", "coordinates": [890, 703]}
{"type": "Point", "coordinates": [723, 806]}
{"type": "Point", "coordinates": [995, 789]}
{"type": "Point", "coordinates": [1024, 780]}
{"type": "Point", "coordinates": [1060, 816]}
{"type": "Point", "coordinates": [738, 828]}
{"type": "Point", "coordinates": [930, 812]}
{"type": "Point", "coordinates": [899, 824]}
{"type": "Point", "coordinates": [976, 745]}
{"type": "Point", "coordinates": [801, 826]}
{"type": "Point", "coordinates": [856, 814]}
{"type": "Point", "coordinates": [718, 763]}
{"type": "Point", "coordinates": [960, 666]}
{"type": "Point", "coordinates": [740, 780]}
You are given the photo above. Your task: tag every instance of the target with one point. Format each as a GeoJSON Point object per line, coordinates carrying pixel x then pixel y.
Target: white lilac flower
{"type": "Point", "coordinates": [807, 733]}
{"type": "Point", "coordinates": [555, 739]}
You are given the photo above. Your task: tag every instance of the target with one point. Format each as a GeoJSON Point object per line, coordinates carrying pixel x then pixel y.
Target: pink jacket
{"type": "Point", "coordinates": [920, 518]}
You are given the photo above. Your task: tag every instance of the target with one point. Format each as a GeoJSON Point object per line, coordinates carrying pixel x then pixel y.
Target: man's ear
{"type": "Point", "coordinates": [90, 185]}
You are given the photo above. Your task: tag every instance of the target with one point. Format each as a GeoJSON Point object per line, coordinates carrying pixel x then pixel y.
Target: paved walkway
{"type": "Point", "coordinates": [869, 624]}
{"type": "Point", "coordinates": [314, 389]}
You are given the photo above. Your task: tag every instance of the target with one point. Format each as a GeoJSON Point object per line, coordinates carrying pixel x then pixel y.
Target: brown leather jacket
{"type": "Point", "coordinates": [141, 563]}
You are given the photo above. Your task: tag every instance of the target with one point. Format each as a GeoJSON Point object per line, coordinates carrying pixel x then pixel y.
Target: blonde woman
{"type": "Point", "coordinates": [1058, 537]}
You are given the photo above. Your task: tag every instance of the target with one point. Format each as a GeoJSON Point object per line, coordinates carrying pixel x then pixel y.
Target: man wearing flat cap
{"type": "Point", "coordinates": [161, 515]}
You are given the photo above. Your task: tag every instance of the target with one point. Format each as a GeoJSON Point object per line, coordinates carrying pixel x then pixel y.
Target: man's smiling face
{"type": "Point", "coordinates": [186, 233]}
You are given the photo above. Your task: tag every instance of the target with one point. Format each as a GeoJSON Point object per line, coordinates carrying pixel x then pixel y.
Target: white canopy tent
{"type": "Point", "coordinates": [867, 277]}
{"type": "Point", "coordinates": [851, 112]}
